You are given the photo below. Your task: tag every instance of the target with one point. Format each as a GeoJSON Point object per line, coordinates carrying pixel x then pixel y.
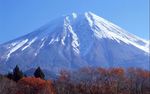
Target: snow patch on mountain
{"type": "Point", "coordinates": [29, 44]}
{"type": "Point", "coordinates": [51, 41]}
{"type": "Point", "coordinates": [19, 45]}
{"type": "Point", "coordinates": [74, 15]}
{"type": "Point", "coordinates": [68, 28]}
{"type": "Point", "coordinates": [105, 29]}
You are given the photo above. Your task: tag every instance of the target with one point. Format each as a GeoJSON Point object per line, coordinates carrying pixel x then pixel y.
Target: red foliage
{"type": "Point", "coordinates": [117, 71]}
{"type": "Point", "coordinates": [84, 81]}
{"type": "Point", "coordinates": [31, 85]}
{"type": "Point", "coordinates": [104, 81]}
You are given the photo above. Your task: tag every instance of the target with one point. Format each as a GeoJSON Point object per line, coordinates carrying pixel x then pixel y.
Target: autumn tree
{"type": "Point", "coordinates": [117, 80]}
{"type": "Point", "coordinates": [31, 85]}
{"type": "Point", "coordinates": [83, 81]}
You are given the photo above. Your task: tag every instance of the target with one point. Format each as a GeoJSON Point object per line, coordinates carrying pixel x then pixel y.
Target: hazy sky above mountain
{"type": "Point", "coordinates": [19, 17]}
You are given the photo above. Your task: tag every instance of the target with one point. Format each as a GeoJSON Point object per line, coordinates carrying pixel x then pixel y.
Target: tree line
{"type": "Point", "coordinates": [17, 74]}
{"type": "Point", "coordinates": [83, 81]}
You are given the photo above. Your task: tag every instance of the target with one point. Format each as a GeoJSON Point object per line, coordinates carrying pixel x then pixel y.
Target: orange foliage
{"type": "Point", "coordinates": [117, 71]}
{"type": "Point", "coordinates": [104, 81]}
{"type": "Point", "coordinates": [102, 71]}
{"type": "Point", "coordinates": [35, 86]}
{"type": "Point", "coordinates": [34, 82]}
{"type": "Point", "coordinates": [83, 81]}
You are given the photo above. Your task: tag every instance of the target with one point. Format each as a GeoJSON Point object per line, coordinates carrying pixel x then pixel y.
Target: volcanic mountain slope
{"type": "Point", "coordinates": [75, 41]}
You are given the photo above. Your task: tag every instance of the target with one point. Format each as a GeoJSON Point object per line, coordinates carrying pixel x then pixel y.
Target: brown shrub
{"type": "Point", "coordinates": [7, 86]}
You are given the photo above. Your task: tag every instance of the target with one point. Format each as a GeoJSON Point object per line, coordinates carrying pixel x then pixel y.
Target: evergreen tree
{"type": "Point", "coordinates": [17, 74]}
{"type": "Point", "coordinates": [39, 73]}
{"type": "Point", "coordinates": [9, 75]}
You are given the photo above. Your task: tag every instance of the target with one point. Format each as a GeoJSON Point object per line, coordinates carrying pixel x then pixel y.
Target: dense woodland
{"type": "Point", "coordinates": [83, 81]}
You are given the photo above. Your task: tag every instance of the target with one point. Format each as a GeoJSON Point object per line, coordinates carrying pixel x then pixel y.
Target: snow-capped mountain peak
{"type": "Point", "coordinates": [74, 41]}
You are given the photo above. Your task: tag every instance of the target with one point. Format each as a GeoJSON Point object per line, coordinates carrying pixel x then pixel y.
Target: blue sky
{"type": "Point", "coordinates": [19, 17]}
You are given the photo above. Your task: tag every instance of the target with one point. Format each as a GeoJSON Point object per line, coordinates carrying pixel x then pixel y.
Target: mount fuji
{"type": "Point", "coordinates": [75, 41]}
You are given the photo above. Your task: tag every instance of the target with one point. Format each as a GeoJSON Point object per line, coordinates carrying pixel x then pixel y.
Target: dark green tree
{"type": "Point", "coordinates": [39, 73]}
{"type": "Point", "coordinates": [17, 74]}
{"type": "Point", "coordinates": [9, 75]}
